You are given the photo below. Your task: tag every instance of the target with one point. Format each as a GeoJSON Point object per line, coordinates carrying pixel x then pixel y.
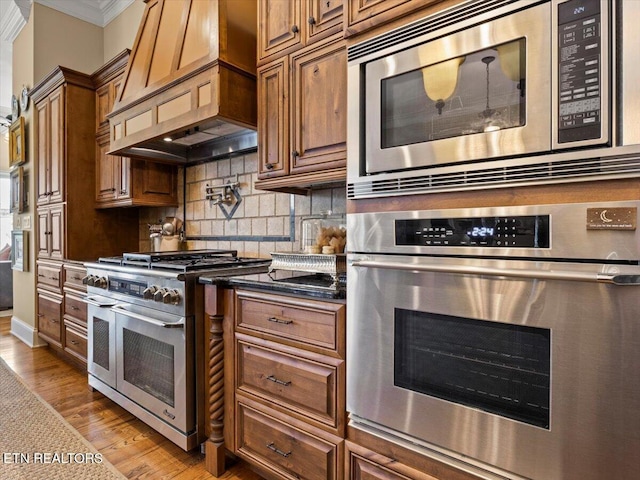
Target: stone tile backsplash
{"type": "Point", "coordinates": [260, 225]}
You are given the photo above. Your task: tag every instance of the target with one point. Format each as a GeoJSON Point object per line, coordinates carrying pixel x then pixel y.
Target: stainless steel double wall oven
{"type": "Point", "coordinates": [504, 341]}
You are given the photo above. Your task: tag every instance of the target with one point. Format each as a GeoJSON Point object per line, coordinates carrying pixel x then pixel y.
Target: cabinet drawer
{"type": "Point", "coordinates": [305, 386]}
{"type": "Point", "coordinates": [308, 322]}
{"type": "Point", "coordinates": [75, 307]}
{"type": "Point", "coordinates": [50, 316]}
{"type": "Point", "coordinates": [49, 275]}
{"type": "Point", "coordinates": [282, 447]}
{"type": "Point", "coordinates": [75, 340]}
{"type": "Point", "coordinates": [73, 277]}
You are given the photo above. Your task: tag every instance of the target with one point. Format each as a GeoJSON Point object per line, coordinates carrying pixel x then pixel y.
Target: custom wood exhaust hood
{"type": "Point", "coordinates": [189, 89]}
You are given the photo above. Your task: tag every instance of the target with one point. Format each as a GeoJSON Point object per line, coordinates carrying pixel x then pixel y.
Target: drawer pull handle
{"type": "Point", "coordinates": [277, 320]}
{"type": "Point", "coordinates": [75, 342]}
{"type": "Point", "coordinates": [272, 446]}
{"type": "Point", "coordinates": [279, 382]}
{"type": "Point", "coordinates": [73, 307]}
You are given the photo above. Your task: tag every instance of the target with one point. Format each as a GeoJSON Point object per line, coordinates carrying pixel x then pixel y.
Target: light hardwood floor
{"type": "Point", "coordinates": [134, 448]}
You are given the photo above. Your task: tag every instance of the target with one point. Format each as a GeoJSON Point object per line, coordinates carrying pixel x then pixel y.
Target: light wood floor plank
{"type": "Point", "coordinates": [134, 448]}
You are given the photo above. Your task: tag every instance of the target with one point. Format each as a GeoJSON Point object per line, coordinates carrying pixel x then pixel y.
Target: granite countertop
{"type": "Point", "coordinates": [299, 283]}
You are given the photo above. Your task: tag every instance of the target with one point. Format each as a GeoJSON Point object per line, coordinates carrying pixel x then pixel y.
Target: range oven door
{"type": "Point", "coordinates": [101, 350]}
{"type": "Point", "coordinates": [155, 365]}
{"type": "Point", "coordinates": [527, 367]}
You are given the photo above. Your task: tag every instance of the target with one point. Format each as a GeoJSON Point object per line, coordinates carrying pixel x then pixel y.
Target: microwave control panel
{"type": "Point", "coordinates": [530, 231]}
{"type": "Point", "coordinates": [580, 71]}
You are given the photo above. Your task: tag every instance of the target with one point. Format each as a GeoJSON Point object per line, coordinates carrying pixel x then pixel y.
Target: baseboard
{"type": "Point", "coordinates": [26, 333]}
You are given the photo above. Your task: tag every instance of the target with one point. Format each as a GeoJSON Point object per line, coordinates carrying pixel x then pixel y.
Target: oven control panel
{"type": "Point", "coordinates": [144, 291]}
{"type": "Point", "coordinates": [528, 231]}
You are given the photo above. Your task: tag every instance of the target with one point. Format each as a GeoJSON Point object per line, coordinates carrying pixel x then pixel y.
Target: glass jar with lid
{"type": "Point", "coordinates": [326, 233]}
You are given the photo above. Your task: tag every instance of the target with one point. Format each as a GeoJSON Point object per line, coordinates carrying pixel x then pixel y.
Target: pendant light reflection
{"type": "Point", "coordinates": [440, 80]}
{"type": "Point", "coordinates": [490, 121]}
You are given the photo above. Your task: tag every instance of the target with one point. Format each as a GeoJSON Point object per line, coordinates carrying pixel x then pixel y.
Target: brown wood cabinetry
{"type": "Point", "coordinates": [74, 328]}
{"type": "Point", "coordinates": [276, 383]}
{"type": "Point", "coordinates": [68, 226]}
{"type": "Point", "coordinates": [123, 181]}
{"type": "Point", "coordinates": [363, 15]}
{"type": "Point", "coordinates": [302, 103]}
{"type": "Point", "coordinates": [302, 126]}
{"type": "Point", "coordinates": [287, 26]}
{"type": "Point", "coordinates": [290, 384]}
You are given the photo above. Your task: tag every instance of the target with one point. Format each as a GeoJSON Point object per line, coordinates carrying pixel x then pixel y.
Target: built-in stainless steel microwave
{"type": "Point", "coordinates": [496, 93]}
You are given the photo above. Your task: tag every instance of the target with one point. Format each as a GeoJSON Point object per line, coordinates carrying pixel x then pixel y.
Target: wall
{"type": "Point", "coordinates": [121, 31]}
{"type": "Point", "coordinates": [60, 39]}
{"type": "Point", "coordinates": [260, 225]}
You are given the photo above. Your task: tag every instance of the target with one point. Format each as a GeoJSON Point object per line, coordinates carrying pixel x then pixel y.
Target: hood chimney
{"type": "Point", "coordinates": [189, 90]}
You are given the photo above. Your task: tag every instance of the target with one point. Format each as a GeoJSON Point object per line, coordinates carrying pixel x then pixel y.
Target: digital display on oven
{"type": "Point", "coordinates": [128, 287]}
{"type": "Point", "coordinates": [531, 231]}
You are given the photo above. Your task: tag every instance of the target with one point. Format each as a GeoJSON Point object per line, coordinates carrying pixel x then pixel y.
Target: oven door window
{"type": "Point", "coordinates": [499, 368]}
{"type": "Point", "coordinates": [479, 92]}
{"type": "Point", "coordinates": [149, 365]}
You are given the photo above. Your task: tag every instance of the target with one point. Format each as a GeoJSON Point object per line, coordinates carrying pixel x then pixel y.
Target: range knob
{"type": "Point", "coordinates": [85, 279]}
{"type": "Point", "coordinates": [149, 292]}
{"type": "Point", "coordinates": [159, 294]}
{"type": "Point", "coordinates": [100, 282]}
{"type": "Point", "coordinates": [171, 296]}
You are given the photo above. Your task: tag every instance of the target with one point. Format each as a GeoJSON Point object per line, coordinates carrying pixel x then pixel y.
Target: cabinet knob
{"type": "Point", "coordinates": [112, 189]}
{"type": "Point", "coordinates": [295, 153]}
{"type": "Point", "coordinates": [295, 29]}
{"type": "Point", "coordinates": [312, 21]}
{"type": "Point", "coordinates": [268, 166]}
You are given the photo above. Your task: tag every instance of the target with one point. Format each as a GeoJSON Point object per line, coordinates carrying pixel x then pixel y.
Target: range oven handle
{"type": "Point", "coordinates": [91, 300]}
{"type": "Point", "coordinates": [506, 272]}
{"type": "Point", "coordinates": [143, 318]}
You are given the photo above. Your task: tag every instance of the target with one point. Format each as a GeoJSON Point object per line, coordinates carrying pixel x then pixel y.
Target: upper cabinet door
{"type": "Point", "coordinates": [280, 26]}
{"type": "Point", "coordinates": [50, 148]}
{"type": "Point", "coordinates": [319, 107]}
{"type": "Point", "coordinates": [324, 17]}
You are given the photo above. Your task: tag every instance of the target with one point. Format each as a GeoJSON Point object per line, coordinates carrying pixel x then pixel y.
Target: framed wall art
{"type": "Point", "coordinates": [17, 194]}
{"type": "Point", "coordinates": [20, 250]}
{"type": "Point", "coordinates": [17, 153]}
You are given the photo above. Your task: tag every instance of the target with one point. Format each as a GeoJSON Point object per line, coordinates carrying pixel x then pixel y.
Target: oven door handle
{"type": "Point", "coordinates": [614, 279]}
{"type": "Point", "coordinates": [92, 300]}
{"type": "Point", "coordinates": [143, 318]}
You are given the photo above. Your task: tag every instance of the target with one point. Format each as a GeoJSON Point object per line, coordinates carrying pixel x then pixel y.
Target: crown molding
{"type": "Point", "coordinates": [12, 22]}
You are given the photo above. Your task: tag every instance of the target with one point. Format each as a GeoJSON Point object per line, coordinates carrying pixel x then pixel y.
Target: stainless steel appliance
{"type": "Point", "coordinates": [145, 325]}
{"type": "Point", "coordinates": [504, 341]}
{"type": "Point", "coordinates": [496, 93]}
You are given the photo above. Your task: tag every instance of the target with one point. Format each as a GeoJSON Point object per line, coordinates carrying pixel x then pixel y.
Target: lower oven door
{"type": "Point", "coordinates": [522, 367]}
{"type": "Point", "coordinates": [101, 350]}
{"type": "Point", "coordinates": [155, 365]}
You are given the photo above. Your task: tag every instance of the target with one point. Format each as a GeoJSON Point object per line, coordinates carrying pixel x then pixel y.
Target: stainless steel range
{"type": "Point", "coordinates": [145, 324]}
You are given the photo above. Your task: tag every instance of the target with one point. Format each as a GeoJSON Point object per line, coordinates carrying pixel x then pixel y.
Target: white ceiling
{"type": "Point", "coordinates": [15, 13]}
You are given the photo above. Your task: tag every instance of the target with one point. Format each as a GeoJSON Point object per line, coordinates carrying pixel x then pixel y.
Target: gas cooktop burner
{"type": "Point", "coordinates": [183, 260]}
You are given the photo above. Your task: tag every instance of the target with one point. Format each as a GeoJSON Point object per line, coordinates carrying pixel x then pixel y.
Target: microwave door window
{"type": "Point", "coordinates": [477, 93]}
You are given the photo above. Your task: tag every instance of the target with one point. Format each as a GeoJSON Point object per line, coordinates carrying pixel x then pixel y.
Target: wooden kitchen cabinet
{"type": "Point", "coordinates": [74, 328]}
{"type": "Point", "coordinates": [285, 26]}
{"type": "Point", "coordinates": [122, 181]}
{"type": "Point", "coordinates": [371, 457]}
{"type": "Point", "coordinates": [364, 15]}
{"type": "Point", "coordinates": [290, 380]}
{"type": "Point", "coordinates": [50, 317]}
{"type": "Point", "coordinates": [113, 179]}
{"type": "Point", "coordinates": [68, 226]}
{"type": "Point", "coordinates": [51, 220]}
{"type": "Point", "coordinates": [50, 144]}
{"type": "Point", "coordinates": [302, 118]}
